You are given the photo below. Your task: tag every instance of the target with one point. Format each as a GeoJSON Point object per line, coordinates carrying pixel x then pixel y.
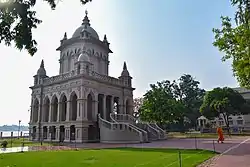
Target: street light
{"type": "Point", "coordinates": [19, 122]}
{"type": "Point", "coordinates": [74, 138]}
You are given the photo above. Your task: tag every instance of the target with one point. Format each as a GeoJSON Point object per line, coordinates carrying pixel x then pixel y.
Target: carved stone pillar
{"type": "Point", "coordinates": [95, 110]}
{"type": "Point", "coordinates": [50, 112]}
{"type": "Point", "coordinates": [80, 109]}
{"type": "Point", "coordinates": [85, 110]}
{"type": "Point", "coordinates": [104, 107]}
{"type": "Point", "coordinates": [31, 113]}
{"type": "Point", "coordinates": [68, 110]}
{"type": "Point", "coordinates": [67, 134]}
{"type": "Point", "coordinates": [57, 133]}
{"type": "Point", "coordinates": [59, 112]}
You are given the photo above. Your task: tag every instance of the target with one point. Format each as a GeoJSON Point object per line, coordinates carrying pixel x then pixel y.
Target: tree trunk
{"type": "Point", "coordinates": [227, 123]}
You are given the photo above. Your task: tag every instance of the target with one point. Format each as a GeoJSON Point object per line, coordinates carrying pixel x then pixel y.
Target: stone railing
{"type": "Point", "coordinates": [93, 74]}
{"type": "Point", "coordinates": [153, 129]}
{"type": "Point", "coordinates": [123, 118]}
{"type": "Point", "coordinates": [119, 126]}
{"type": "Point", "coordinates": [162, 132]}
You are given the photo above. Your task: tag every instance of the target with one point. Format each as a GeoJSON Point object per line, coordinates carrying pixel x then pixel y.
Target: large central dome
{"type": "Point", "coordinates": [89, 29]}
{"type": "Point", "coordinates": [85, 25]}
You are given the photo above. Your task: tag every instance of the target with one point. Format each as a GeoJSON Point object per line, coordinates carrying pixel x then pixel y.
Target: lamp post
{"type": "Point", "coordinates": [74, 138]}
{"type": "Point", "coordinates": [19, 122]}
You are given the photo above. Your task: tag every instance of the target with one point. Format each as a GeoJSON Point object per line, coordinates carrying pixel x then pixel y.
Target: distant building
{"type": "Point", "coordinates": [240, 121]}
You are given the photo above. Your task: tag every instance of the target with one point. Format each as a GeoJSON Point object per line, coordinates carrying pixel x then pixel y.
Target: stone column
{"type": "Point", "coordinates": [67, 134]}
{"type": "Point", "coordinates": [59, 112]}
{"type": "Point", "coordinates": [57, 133]}
{"type": "Point", "coordinates": [39, 113]}
{"type": "Point", "coordinates": [104, 107]}
{"type": "Point", "coordinates": [95, 110]}
{"type": "Point", "coordinates": [50, 112]}
{"type": "Point", "coordinates": [79, 135]}
{"type": "Point", "coordinates": [85, 110]}
{"type": "Point", "coordinates": [68, 110]}
{"type": "Point", "coordinates": [80, 109]}
{"type": "Point", "coordinates": [31, 113]}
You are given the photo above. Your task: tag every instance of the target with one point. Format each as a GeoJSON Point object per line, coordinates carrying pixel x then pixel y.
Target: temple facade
{"type": "Point", "coordinates": [83, 103]}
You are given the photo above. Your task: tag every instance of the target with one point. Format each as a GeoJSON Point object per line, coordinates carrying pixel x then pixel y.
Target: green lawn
{"type": "Point", "coordinates": [121, 157]}
{"type": "Point", "coordinates": [18, 142]}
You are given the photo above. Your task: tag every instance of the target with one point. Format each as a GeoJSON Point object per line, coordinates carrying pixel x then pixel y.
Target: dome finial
{"type": "Point", "coordinates": [85, 21]}
{"type": "Point", "coordinates": [42, 64]}
{"type": "Point", "coordinates": [65, 35]}
{"type": "Point", "coordinates": [125, 66]}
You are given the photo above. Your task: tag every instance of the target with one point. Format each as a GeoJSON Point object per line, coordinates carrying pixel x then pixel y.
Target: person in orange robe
{"type": "Point", "coordinates": [220, 135]}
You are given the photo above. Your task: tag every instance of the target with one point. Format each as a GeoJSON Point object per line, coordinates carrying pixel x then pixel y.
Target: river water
{"type": "Point", "coordinates": [15, 133]}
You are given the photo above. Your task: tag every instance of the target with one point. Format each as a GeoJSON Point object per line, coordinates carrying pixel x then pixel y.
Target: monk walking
{"type": "Point", "coordinates": [220, 135]}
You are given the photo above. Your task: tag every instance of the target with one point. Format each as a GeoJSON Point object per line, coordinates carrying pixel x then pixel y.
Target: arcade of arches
{"type": "Point", "coordinates": [60, 116]}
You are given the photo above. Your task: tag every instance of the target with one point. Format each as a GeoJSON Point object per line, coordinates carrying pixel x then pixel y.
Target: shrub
{"type": "Point", "coordinates": [4, 144]}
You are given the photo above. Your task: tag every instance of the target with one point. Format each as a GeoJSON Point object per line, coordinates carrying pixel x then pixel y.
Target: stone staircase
{"type": "Point", "coordinates": [154, 132]}
{"type": "Point", "coordinates": [120, 132]}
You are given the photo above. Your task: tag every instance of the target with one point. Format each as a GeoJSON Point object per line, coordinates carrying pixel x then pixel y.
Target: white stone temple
{"type": "Point", "coordinates": [83, 103]}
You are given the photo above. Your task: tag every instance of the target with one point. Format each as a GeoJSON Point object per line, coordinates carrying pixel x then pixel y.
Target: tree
{"type": "Point", "coordinates": [137, 105]}
{"type": "Point", "coordinates": [17, 20]}
{"type": "Point", "coordinates": [223, 102]}
{"type": "Point", "coordinates": [188, 92]}
{"type": "Point", "coordinates": [160, 105]}
{"type": "Point", "coordinates": [234, 41]}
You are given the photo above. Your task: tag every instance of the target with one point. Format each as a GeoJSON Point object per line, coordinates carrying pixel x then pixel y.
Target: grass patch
{"type": "Point", "coordinates": [119, 157]}
{"type": "Point", "coordinates": [18, 142]}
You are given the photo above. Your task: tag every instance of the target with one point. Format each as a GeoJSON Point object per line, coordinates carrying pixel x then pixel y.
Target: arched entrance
{"type": "Point", "coordinates": [54, 109]}
{"type": "Point", "coordinates": [53, 132]}
{"type": "Point", "coordinates": [73, 107]}
{"type": "Point", "coordinates": [72, 132]}
{"type": "Point", "coordinates": [62, 134]}
{"type": "Point", "coordinates": [34, 133]}
{"type": "Point", "coordinates": [35, 110]}
{"type": "Point", "coordinates": [45, 132]}
{"type": "Point", "coordinates": [64, 108]}
{"type": "Point", "coordinates": [46, 110]}
{"type": "Point", "coordinates": [89, 107]}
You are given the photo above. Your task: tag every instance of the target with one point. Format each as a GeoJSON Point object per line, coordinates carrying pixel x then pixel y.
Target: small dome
{"type": "Point", "coordinates": [84, 57]}
{"type": "Point", "coordinates": [41, 72]}
{"type": "Point", "coordinates": [125, 73]}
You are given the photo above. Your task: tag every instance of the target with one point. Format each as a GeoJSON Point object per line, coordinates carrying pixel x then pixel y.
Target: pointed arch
{"type": "Point", "coordinates": [90, 105]}
{"type": "Point", "coordinates": [63, 107]}
{"type": "Point", "coordinates": [54, 112]}
{"type": "Point", "coordinates": [74, 107]}
{"type": "Point", "coordinates": [35, 110]}
{"type": "Point", "coordinates": [45, 113]}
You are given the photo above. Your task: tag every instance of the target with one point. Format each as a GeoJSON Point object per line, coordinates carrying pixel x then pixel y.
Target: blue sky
{"type": "Point", "coordinates": [158, 41]}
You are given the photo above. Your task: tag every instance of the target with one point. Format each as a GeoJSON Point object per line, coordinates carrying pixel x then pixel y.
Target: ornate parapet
{"type": "Point", "coordinates": [93, 75]}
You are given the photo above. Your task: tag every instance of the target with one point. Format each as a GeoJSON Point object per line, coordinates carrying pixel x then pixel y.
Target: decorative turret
{"type": "Point", "coordinates": [64, 38]}
{"type": "Point", "coordinates": [125, 76]}
{"type": "Point", "coordinates": [41, 74]}
{"type": "Point", "coordinates": [105, 40]}
{"type": "Point", "coordinates": [83, 64]}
